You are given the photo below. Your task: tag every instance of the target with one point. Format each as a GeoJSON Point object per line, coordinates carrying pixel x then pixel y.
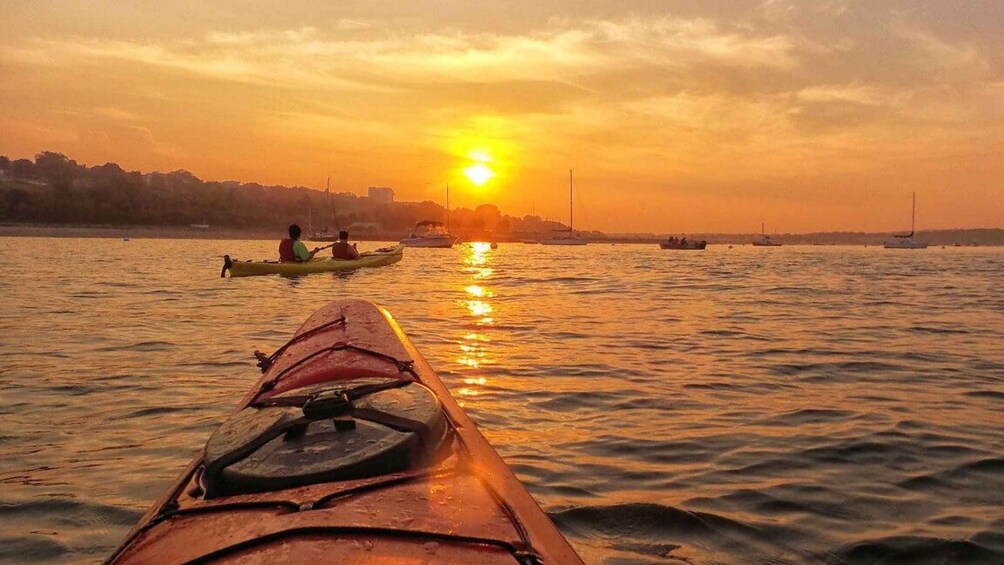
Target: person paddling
{"type": "Point", "coordinates": [342, 249]}
{"type": "Point", "coordinates": [292, 250]}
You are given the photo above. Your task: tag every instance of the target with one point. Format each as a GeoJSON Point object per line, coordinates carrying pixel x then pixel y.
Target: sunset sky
{"type": "Point", "coordinates": [678, 116]}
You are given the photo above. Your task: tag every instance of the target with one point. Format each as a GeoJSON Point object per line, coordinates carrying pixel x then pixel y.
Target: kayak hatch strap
{"type": "Point", "coordinates": [340, 531]}
{"type": "Point", "coordinates": [349, 394]}
{"type": "Point", "coordinates": [402, 366]}
{"type": "Point", "coordinates": [213, 470]}
{"type": "Point", "coordinates": [384, 483]}
{"type": "Point", "coordinates": [265, 362]}
{"type": "Point", "coordinates": [171, 509]}
{"type": "Point", "coordinates": [333, 403]}
{"type": "Point", "coordinates": [527, 555]}
{"type": "Point", "coordinates": [168, 513]}
{"type": "Point", "coordinates": [319, 406]}
{"type": "Point", "coordinates": [395, 422]}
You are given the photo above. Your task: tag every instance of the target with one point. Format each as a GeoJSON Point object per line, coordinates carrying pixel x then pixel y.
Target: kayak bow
{"type": "Point", "coordinates": [348, 450]}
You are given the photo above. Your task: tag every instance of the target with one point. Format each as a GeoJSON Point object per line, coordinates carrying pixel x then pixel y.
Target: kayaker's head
{"type": "Point", "coordinates": [294, 232]}
{"type": "Point", "coordinates": [343, 235]}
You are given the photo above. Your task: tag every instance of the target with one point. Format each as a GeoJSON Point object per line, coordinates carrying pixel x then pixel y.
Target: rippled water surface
{"type": "Point", "coordinates": [746, 405]}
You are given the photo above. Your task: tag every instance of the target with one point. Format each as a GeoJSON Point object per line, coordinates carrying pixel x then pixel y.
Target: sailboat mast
{"type": "Point", "coordinates": [913, 214]}
{"type": "Point", "coordinates": [331, 202]}
{"type": "Point", "coordinates": [570, 201]}
{"type": "Point", "coordinates": [447, 207]}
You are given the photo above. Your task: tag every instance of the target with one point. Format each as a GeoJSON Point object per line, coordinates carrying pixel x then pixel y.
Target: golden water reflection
{"type": "Point", "coordinates": [473, 343]}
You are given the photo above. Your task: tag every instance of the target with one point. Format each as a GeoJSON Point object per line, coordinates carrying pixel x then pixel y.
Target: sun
{"type": "Point", "coordinates": [478, 173]}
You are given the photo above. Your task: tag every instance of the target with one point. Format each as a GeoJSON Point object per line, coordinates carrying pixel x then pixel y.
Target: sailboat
{"type": "Point", "coordinates": [907, 241]}
{"type": "Point", "coordinates": [558, 238]}
{"type": "Point", "coordinates": [764, 240]}
{"type": "Point", "coordinates": [326, 234]}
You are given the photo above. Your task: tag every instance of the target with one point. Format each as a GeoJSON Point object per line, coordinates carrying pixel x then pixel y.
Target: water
{"type": "Point", "coordinates": [787, 405]}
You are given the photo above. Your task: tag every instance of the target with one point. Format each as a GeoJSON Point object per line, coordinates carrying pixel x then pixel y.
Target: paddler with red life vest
{"type": "Point", "coordinates": [292, 250]}
{"type": "Point", "coordinates": [342, 249]}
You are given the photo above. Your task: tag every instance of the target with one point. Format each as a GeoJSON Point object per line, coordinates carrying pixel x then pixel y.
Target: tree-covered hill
{"type": "Point", "coordinates": [56, 189]}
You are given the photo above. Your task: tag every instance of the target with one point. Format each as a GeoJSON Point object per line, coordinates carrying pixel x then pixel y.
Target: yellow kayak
{"type": "Point", "coordinates": [378, 258]}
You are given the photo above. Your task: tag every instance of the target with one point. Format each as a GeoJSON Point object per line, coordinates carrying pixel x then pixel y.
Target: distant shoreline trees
{"type": "Point", "coordinates": [56, 189]}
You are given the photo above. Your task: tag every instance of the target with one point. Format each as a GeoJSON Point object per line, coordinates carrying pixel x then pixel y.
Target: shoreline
{"type": "Point", "coordinates": [139, 232]}
{"type": "Point", "coordinates": [213, 233]}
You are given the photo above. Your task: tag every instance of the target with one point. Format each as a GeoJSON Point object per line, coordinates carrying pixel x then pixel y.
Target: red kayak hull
{"type": "Point", "coordinates": [467, 507]}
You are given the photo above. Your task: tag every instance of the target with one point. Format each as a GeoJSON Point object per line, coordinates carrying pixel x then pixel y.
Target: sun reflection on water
{"type": "Point", "coordinates": [477, 295]}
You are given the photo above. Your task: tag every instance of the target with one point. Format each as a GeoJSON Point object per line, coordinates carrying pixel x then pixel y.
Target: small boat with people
{"type": "Point", "coordinates": [429, 233]}
{"type": "Point", "coordinates": [764, 240]}
{"type": "Point", "coordinates": [682, 244]}
{"type": "Point", "coordinates": [367, 259]}
{"type": "Point", "coordinates": [907, 241]}
{"type": "Point", "coordinates": [349, 449]}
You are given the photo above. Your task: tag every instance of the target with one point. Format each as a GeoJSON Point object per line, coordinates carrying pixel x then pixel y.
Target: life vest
{"type": "Point", "coordinates": [342, 250]}
{"type": "Point", "coordinates": [286, 254]}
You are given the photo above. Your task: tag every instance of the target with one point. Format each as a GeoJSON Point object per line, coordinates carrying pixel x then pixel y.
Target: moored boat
{"type": "Point", "coordinates": [566, 237]}
{"type": "Point", "coordinates": [570, 239]}
{"type": "Point", "coordinates": [349, 449]}
{"type": "Point", "coordinates": [764, 240]}
{"type": "Point", "coordinates": [429, 234]}
{"type": "Point", "coordinates": [907, 241]}
{"type": "Point", "coordinates": [683, 244]}
{"type": "Point", "coordinates": [367, 259]}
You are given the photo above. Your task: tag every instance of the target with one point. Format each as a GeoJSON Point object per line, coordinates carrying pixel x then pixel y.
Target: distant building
{"type": "Point", "coordinates": [381, 194]}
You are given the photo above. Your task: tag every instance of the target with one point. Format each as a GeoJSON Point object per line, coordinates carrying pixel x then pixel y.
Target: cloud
{"type": "Point", "coordinates": [354, 54]}
{"type": "Point", "coordinates": [934, 52]}
{"type": "Point", "coordinates": [784, 9]}
{"type": "Point", "coordinates": [868, 95]}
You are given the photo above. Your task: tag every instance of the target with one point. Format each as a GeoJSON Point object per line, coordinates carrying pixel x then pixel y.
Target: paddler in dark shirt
{"type": "Point", "coordinates": [342, 249]}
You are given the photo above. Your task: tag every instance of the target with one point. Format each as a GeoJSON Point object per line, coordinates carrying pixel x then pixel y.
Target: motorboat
{"type": "Point", "coordinates": [429, 234]}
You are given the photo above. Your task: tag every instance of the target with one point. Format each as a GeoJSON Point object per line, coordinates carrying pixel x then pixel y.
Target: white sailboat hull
{"type": "Point", "coordinates": [907, 241]}
{"type": "Point", "coordinates": [563, 242]}
{"type": "Point", "coordinates": [905, 244]}
{"type": "Point", "coordinates": [765, 241]}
